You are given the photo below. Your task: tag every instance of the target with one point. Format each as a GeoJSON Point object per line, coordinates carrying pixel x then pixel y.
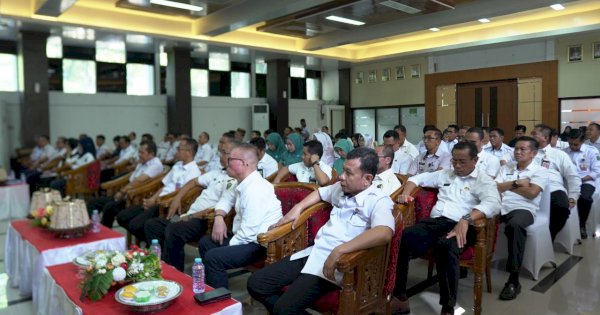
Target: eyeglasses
{"type": "Point", "coordinates": [383, 156]}
{"type": "Point", "coordinates": [522, 149]}
{"type": "Point", "coordinates": [429, 138]}
{"type": "Point", "coordinates": [233, 159]}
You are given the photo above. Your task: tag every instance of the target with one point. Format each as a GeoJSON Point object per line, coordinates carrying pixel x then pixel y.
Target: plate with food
{"type": "Point", "coordinates": [149, 296]}
{"type": "Point", "coordinates": [84, 260]}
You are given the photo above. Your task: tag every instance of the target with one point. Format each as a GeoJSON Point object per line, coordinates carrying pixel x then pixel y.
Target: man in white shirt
{"type": "Point", "coordinates": [311, 169]}
{"type": "Point", "coordinates": [486, 162]}
{"type": "Point", "coordinates": [452, 132]}
{"type": "Point", "coordinates": [520, 186]}
{"type": "Point", "coordinates": [593, 135]}
{"type": "Point", "coordinates": [503, 152]}
{"type": "Point", "coordinates": [485, 141]}
{"type": "Point", "coordinates": [267, 165]}
{"type": "Point", "coordinates": [134, 218]}
{"type": "Point", "coordinates": [385, 180]}
{"type": "Point", "coordinates": [45, 152]}
{"type": "Point", "coordinates": [421, 145]}
{"type": "Point", "coordinates": [564, 182]}
{"type": "Point", "coordinates": [132, 140]}
{"type": "Point", "coordinates": [205, 151]}
{"type": "Point", "coordinates": [404, 144]}
{"type": "Point", "coordinates": [434, 159]}
{"type": "Point", "coordinates": [218, 193]}
{"type": "Point", "coordinates": [361, 218]}
{"type": "Point", "coordinates": [257, 208]}
{"type": "Point", "coordinates": [102, 149]}
{"type": "Point", "coordinates": [148, 168]}
{"type": "Point", "coordinates": [215, 163]}
{"type": "Point", "coordinates": [128, 151]}
{"type": "Point", "coordinates": [587, 162]}
{"type": "Point", "coordinates": [555, 141]}
{"type": "Point", "coordinates": [402, 160]}
{"type": "Point", "coordinates": [61, 148]}
{"type": "Point", "coordinates": [465, 194]}
{"type": "Point", "coordinates": [164, 146]}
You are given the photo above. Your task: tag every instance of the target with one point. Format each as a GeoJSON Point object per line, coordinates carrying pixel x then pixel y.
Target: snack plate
{"type": "Point", "coordinates": [84, 259]}
{"type": "Point", "coordinates": [155, 303]}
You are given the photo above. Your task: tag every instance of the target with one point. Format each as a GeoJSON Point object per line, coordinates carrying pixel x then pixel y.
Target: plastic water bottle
{"type": "Point", "coordinates": [198, 276]}
{"type": "Point", "coordinates": [95, 221]}
{"type": "Point", "coordinates": [155, 248]}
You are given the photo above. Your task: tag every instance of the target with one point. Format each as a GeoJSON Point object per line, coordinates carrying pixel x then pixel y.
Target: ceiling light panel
{"type": "Point", "coordinates": [434, 29]}
{"type": "Point", "coordinates": [344, 20]}
{"type": "Point", "coordinates": [484, 20]}
{"type": "Point", "coordinates": [557, 7]}
{"type": "Point", "coordinates": [177, 5]}
{"type": "Point", "coordinates": [400, 7]}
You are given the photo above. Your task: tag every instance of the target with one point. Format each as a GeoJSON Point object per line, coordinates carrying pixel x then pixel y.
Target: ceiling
{"type": "Point", "coordinates": [296, 29]}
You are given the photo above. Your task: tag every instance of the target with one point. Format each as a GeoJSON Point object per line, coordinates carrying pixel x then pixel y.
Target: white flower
{"type": "Point", "coordinates": [101, 263]}
{"type": "Point", "coordinates": [142, 254]}
{"type": "Point", "coordinates": [102, 271]}
{"type": "Point", "coordinates": [119, 274]}
{"type": "Point", "coordinates": [135, 254]}
{"type": "Point", "coordinates": [118, 259]}
{"type": "Point", "coordinates": [146, 274]}
{"type": "Point", "coordinates": [136, 267]}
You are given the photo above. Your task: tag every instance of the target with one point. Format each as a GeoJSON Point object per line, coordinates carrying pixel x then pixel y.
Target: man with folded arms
{"type": "Point", "coordinates": [311, 169]}
{"type": "Point", "coordinates": [218, 193]}
{"type": "Point", "coordinates": [520, 186]}
{"type": "Point", "coordinates": [257, 208]}
{"type": "Point", "coordinates": [466, 194]}
{"type": "Point", "coordinates": [361, 218]}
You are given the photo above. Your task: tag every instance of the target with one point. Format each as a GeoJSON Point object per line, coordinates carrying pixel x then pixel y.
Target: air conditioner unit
{"type": "Point", "coordinates": [260, 117]}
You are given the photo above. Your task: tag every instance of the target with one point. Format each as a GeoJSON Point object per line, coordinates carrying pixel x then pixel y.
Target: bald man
{"type": "Point", "coordinates": [257, 208]}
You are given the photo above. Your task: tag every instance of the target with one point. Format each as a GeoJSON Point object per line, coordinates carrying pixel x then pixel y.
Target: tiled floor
{"type": "Point", "coordinates": [576, 292]}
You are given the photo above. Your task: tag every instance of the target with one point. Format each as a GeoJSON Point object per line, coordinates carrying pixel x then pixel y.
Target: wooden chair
{"type": "Point", "coordinates": [121, 167]}
{"type": "Point", "coordinates": [52, 164]}
{"type": "Point", "coordinates": [113, 186]}
{"type": "Point", "coordinates": [334, 177]}
{"type": "Point", "coordinates": [271, 177]}
{"type": "Point", "coordinates": [84, 180]}
{"type": "Point", "coordinates": [408, 216]}
{"type": "Point", "coordinates": [478, 257]}
{"type": "Point", "coordinates": [402, 178]}
{"type": "Point", "coordinates": [136, 195]}
{"type": "Point", "coordinates": [186, 201]}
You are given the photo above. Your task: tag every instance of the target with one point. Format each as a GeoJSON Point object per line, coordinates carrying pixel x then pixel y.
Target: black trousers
{"type": "Point", "coordinates": [515, 224]}
{"type": "Point", "coordinates": [173, 237]}
{"type": "Point", "coordinates": [59, 184]}
{"type": "Point", "coordinates": [584, 203]}
{"type": "Point", "coordinates": [108, 207]}
{"type": "Point", "coordinates": [218, 259]}
{"type": "Point", "coordinates": [416, 241]}
{"type": "Point", "coordinates": [559, 212]}
{"type": "Point", "coordinates": [134, 218]}
{"type": "Point", "coordinates": [266, 287]}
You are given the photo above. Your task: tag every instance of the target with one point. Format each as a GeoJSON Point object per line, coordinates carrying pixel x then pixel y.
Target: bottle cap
{"type": "Point", "coordinates": [154, 241]}
{"type": "Point", "coordinates": [198, 260]}
{"type": "Point", "coordinates": [95, 211]}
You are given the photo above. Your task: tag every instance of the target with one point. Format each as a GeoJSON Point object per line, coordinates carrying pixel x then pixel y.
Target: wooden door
{"type": "Point", "coordinates": [488, 104]}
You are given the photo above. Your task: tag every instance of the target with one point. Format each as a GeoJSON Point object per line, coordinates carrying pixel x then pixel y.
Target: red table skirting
{"type": "Point", "coordinates": [65, 276]}
{"type": "Point", "coordinates": [45, 240]}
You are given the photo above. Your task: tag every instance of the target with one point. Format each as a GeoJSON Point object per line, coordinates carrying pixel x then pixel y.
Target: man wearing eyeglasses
{"type": "Point", "coordinates": [466, 194]}
{"type": "Point", "coordinates": [452, 137]}
{"type": "Point", "coordinates": [402, 159]}
{"type": "Point", "coordinates": [256, 207]}
{"type": "Point", "coordinates": [434, 159]}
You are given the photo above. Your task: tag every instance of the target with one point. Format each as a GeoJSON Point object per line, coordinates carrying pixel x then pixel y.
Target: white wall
{"type": "Point", "coordinates": [10, 126]}
{"type": "Point", "coordinates": [217, 115]}
{"type": "Point", "coordinates": [330, 83]}
{"type": "Point", "coordinates": [309, 110]}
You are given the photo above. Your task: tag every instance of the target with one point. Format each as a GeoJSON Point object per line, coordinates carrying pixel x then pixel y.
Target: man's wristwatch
{"type": "Point", "coordinates": [515, 185]}
{"type": "Point", "coordinates": [467, 217]}
{"type": "Point", "coordinates": [314, 163]}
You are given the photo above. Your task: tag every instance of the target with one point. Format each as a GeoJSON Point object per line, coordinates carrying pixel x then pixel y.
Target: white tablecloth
{"type": "Point", "coordinates": [25, 265]}
{"type": "Point", "coordinates": [54, 300]}
{"type": "Point", "coordinates": [14, 201]}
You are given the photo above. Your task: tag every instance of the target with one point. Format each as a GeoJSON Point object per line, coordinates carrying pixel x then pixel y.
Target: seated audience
{"type": "Point", "coordinates": [87, 154]}
{"type": "Point", "coordinates": [293, 154]}
{"type": "Point", "coordinates": [520, 131]}
{"type": "Point", "coordinates": [403, 144]}
{"type": "Point", "coordinates": [402, 160]}
{"type": "Point", "coordinates": [452, 137]}
{"type": "Point", "coordinates": [593, 135]}
{"type": "Point", "coordinates": [275, 146]}
{"type": "Point", "coordinates": [311, 169]}
{"type": "Point", "coordinates": [486, 162]}
{"type": "Point", "coordinates": [328, 152]}
{"type": "Point", "coordinates": [310, 273]}
{"type": "Point", "coordinates": [342, 147]}
{"type": "Point", "coordinates": [240, 134]}
{"type": "Point", "coordinates": [215, 161]}
{"type": "Point", "coordinates": [205, 151]}
{"type": "Point", "coordinates": [267, 165]}
{"type": "Point", "coordinates": [132, 140]}
{"type": "Point", "coordinates": [386, 180]}
{"type": "Point", "coordinates": [255, 134]}
{"type": "Point", "coordinates": [555, 141]}
{"type": "Point", "coordinates": [503, 152]}
{"type": "Point", "coordinates": [102, 149]}
{"type": "Point", "coordinates": [435, 158]}
{"type": "Point", "coordinates": [164, 146]}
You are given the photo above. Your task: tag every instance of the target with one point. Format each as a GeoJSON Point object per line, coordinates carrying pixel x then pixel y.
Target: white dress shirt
{"type": "Point", "coordinates": [267, 166]}
{"type": "Point", "coordinates": [72, 158]}
{"type": "Point", "coordinates": [172, 150]}
{"type": "Point", "coordinates": [421, 147]}
{"type": "Point", "coordinates": [36, 153]}
{"type": "Point", "coordinates": [101, 150]}
{"type": "Point", "coordinates": [449, 145]}
{"type": "Point", "coordinates": [536, 174]}
{"type": "Point", "coordinates": [178, 176]}
{"type": "Point", "coordinates": [61, 153]}
{"type": "Point", "coordinates": [350, 217]}
{"type": "Point", "coordinates": [560, 169]}
{"type": "Point", "coordinates": [595, 144]}
{"type": "Point", "coordinates": [561, 144]}
{"type": "Point", "coordinates": [488, 163]}
{"type": "Point", "coordinates": [431, 162]}
{"type": "Point", "coordinates": [409, 148]}
{"type": "Point", "coordinates": [214, 163]}
{"type": "Point", "coordinates": [505, 153]}
{"type": "Point", "coordinates": [218, 187]}
{"type": "Point", "coordinates": [126, 154]}
{"type": "Point", "coordinates": [387, 182]}
{"type": "Point", "coordinates": [256, 207]}
{"type": "Point", "coordinates": [401, 162]}
{"type": "Point", "coordinates": [485, 146]}
{"type": "Point", "coordinates": [152, 168]}
{"type": "Point", "coordinates": [457, 195]}
{"type": "Point", "coordinates": [205, 153]}
{"type": "Point", "coordinates": [586, 161]}
{"type": "Point", "coordinates": [48, 151]}
{"type": "Point", "coordinates": [162, 149]}
{"type": "Point", "coordinates": [306, 174]}
{"type": "Point", "coordinates": [83, 160]}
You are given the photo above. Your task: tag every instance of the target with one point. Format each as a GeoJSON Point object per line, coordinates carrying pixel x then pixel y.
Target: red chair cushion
{"type": "Point", "coordinates": [424, 202]}
{"type": "Point", "coordinates": [93, 175]}
{"type": "Point", "coordinates": [315, 222]}
{"type": "Point", "coordinates": [290, 197]}
{"type": "Point", "coordinates": [390, 275]}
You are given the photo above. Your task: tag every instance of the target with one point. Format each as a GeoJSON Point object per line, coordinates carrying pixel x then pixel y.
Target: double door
{"type": "Point", "coordinates": [488, 104]}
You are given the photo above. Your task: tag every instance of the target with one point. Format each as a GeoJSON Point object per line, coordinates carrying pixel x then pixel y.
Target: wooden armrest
{"type": "Point", "coordinates": [118, 182]}
{"type": "Point", "coordinates": [283, 230]}
{"type": "Point", "coordinates": [349, 261]}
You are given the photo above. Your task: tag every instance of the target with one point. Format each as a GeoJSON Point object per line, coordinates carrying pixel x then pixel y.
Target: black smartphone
{"type": "Point", "coordinates": [213, 296]}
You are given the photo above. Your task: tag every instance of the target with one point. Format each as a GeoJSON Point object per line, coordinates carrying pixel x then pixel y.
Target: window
{"type": "Point", "coordinates": [55, 74]}
{"type": "Point", "coordinates": [199, 82]}
{"type": "Point", "coordinates": [111, 77]}
{"type": "Point", "coordinates": [140, 79]}
{"type": "Point", "coordinates": [261, 85]}
{"type": "Point", "coordinates": [297, 72]}
{"type": "Point", "coordinates": [240, 84]}
{"type": "Point", "coordinates": [8, 68]}
{"type": "Point", "coordinates": [54, 47]}
{"type": "Point", "coordinates": [313, 89]}
{"type": "Point", "coordinates": [110, 51]}
{"type": "Point", "coordinates": [298, 88]}
{"type": "Point", "coordinates": [260, 67]}
{"type": "Point", "coordinates": [79, 76]}
{"type": "Point", "coordinates": [218, 61]}
{"type": "Point", "coordinates": [219, 83]}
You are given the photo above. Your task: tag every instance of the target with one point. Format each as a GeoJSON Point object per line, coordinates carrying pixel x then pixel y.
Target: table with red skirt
{"type": "Point", "coordinates": [62, 296]}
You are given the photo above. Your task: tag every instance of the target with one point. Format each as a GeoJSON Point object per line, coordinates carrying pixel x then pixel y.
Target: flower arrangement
{"type": "Point", "coordinates": [107, 269]}
{"type": "Point", "coordinates": [41, 216]}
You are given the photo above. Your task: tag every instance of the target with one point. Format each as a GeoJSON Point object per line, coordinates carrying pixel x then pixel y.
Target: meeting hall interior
{"type": "Point", "coordinates": [319, 156]}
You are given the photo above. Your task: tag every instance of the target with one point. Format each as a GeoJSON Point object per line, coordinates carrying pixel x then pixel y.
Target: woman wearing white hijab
{"type": "Point", "coordinates": [369, 141]}
{"type": "Point", "coordinates": [328, 154]}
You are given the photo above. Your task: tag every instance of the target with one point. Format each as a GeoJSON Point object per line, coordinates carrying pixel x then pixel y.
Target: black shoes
{"type": "Point", "coordinates": [464, 272]}
{"type": "Point", "coordinates": [583, 233]}
{"type": "Point", "coordinates": [510, 291]}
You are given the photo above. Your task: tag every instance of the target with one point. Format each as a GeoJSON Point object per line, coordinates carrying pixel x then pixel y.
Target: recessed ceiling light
{"type": "Point", "coordinates": [344, 20]}
{"type": "Point", "coordinates": [484, 20]}
{"type": "Point", "coordinates": [177, 5]}
{"type": "Point", "coordinates": [434, 29]}
{"type": "Point", "coordinates": [557, 7]}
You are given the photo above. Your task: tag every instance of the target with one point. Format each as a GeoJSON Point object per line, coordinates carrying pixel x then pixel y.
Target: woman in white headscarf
{"type": "Point", "coordinates": [328, 154]}
{"type": "Point", "coordinates": [369, 141]}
